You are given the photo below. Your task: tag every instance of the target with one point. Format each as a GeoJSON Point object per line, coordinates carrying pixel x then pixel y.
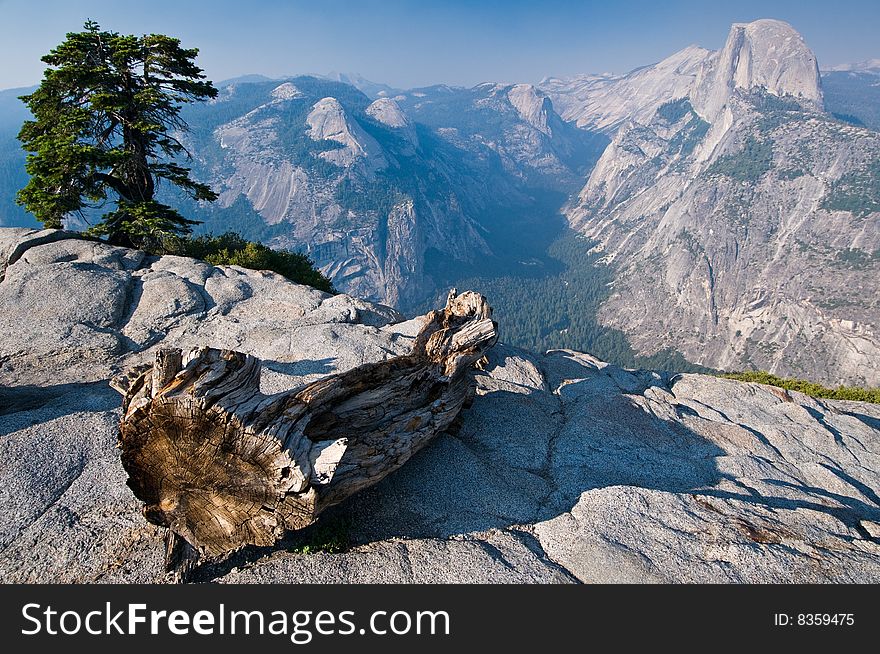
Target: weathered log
{"type": "Point", "coordinates": [222, 465]}
{"type": "Point", "coordinates": [180, 558]}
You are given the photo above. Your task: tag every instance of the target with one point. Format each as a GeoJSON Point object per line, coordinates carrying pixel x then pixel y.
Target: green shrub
{"type": "Point", "coordinates": [808, 388]}
{"type": "Point", "coordinates": [791, 173]}
{"type": "Point", "coordinates": [690, 136]}
{"type": "Point", "coordinates": [856, 259]}
{"type": "Point", "coordinates": [327, 535]}
{"type": "Point", "coordinates": [230, 249]}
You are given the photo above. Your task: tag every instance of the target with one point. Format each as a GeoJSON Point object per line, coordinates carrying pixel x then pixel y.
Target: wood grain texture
{"type": "Point", "coordinates": [222, 465]}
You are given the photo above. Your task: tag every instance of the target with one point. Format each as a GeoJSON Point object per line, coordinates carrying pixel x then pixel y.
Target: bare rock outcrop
{"type": "Point", "coordinates": [567, 469]}
{"type": "Point", "coordinates": [766, 54]}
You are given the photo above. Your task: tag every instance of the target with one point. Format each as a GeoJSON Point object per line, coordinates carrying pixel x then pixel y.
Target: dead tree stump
{"type": "Point", "coordinates": [222, 466]}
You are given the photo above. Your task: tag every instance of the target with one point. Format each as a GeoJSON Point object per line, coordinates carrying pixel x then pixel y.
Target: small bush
{"type": "Point", "coordinates": [808, 388]}
{"type": "Point", "coordinates": [230, 249]}
{"type": "Point", "coordinates": [856, 259]}
{"type": "Point", "coordinates": [331, 537]}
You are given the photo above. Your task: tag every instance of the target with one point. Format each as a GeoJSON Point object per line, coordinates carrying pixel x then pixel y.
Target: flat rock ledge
{"type": "Point", "coordinates": [565, 469]}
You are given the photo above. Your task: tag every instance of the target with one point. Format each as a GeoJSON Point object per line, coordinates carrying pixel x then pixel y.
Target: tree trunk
{"type": "Point", "coordinates": [223, 466]}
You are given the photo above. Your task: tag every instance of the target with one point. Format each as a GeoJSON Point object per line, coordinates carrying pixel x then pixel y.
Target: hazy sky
{"type": "Point", "coordinates": [411, 43]}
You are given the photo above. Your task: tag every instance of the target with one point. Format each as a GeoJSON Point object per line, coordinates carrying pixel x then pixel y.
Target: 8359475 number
{"type": "Point", "coordinates": [825, 619]}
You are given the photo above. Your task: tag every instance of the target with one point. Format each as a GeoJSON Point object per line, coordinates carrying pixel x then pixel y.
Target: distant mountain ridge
{"type": "Point", "coordinates": [606, 101]}
{"type": "Point", "coordinates": [369, 88]}
{"type": "Point", "coordinates": [748, 58]}
{"type": "Point", "coordinates": [731, 196]}
{"type": "Point", "coordinates": [371, 187]}
{"type": "Point", "coordinates": [867, 66]}
{"type": "Point", "coordinates": [853, 96]}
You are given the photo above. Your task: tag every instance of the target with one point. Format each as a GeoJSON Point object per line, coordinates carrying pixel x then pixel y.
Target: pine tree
{"type": "Point", "coordinates": [105, 119]}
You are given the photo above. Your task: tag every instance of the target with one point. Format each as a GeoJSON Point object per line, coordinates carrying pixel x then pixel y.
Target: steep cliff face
{"type": "Point", "coordinates": [533, 106]}
{"type": "Point", "coordinates": [328, 121]}
{"type": "Point", "coordinates": [765, 54]}
{"type": "Point", "coordinates": [741, 220]}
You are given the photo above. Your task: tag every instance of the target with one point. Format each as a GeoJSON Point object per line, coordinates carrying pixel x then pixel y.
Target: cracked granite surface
{"type": "Point", "coordinates": [564, 469]}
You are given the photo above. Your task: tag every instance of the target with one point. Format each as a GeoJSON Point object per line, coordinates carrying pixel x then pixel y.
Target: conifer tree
{"type": "Point", "coordinates": [106, 121]}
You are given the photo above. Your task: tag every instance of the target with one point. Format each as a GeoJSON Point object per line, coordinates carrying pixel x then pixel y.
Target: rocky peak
{"type": "Point", "coordinates": [388, 112]}
{"type": "Point", "coordinates": [707, 191]}
{"type": "Point", "coordinates": [767, 54]}
{"type": "Point", "coordinates": [532, 104]}
{"type": "Point", "coordinates": [328, 121]}
{"type": "Point", "coordinates": [286, 91]}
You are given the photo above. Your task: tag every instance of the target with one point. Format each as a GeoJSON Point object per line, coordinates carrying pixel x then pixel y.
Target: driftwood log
{"type": "Point", "coordinates": [222, 465]}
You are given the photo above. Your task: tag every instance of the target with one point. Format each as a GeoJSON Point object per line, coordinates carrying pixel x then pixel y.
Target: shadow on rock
{"type": "Point", "coordinates": [522, 455]}
{"type": "Point", "coordinates": [524, 459]}
{"type": "Point", "coordinates": [303, 367]}
{"type": "Point", "coordinates": [43, 403]}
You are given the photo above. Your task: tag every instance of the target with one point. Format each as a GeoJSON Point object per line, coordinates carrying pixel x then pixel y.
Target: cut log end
{"type": "Point", "coordinates": [201, 474]}
{"type": "Point", "coordinates": [222, 466]}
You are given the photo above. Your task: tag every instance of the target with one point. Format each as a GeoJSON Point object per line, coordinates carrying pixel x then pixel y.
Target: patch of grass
{"type": "Point", "coordinates": [331, 537]}
{"type": "Point", "coordinates": [807, 387]}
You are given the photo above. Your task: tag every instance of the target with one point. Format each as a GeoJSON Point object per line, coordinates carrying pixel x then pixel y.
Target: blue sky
{"type": "Point", "coordinates": [410, 43]}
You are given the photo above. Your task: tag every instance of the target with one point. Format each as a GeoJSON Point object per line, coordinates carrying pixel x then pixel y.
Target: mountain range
{"type": "Point", "coordinates": [719, 205]}
{"type": "Point", "coordinates": [741, 218]}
